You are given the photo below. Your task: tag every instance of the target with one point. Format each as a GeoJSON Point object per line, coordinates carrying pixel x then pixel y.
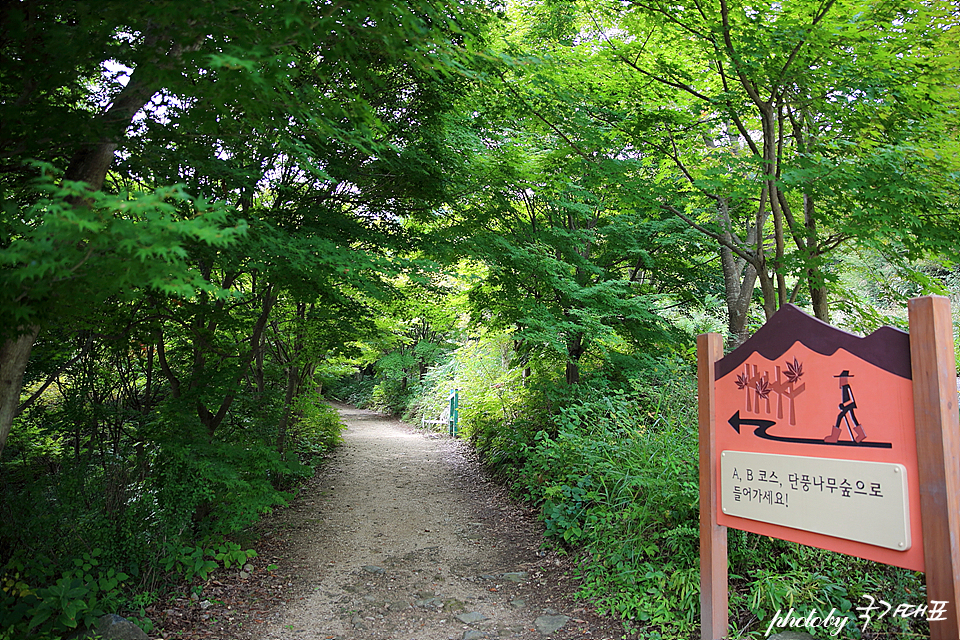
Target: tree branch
{"type": "Point", "coordinates": [732, 52]}
{"type": "Point", "coordinates": [796, 49]}
{"type": "Point", "coordinates": [583, 154]}
{"type": "Point", "coordinates": [53, 376]}
{"type": "Point", "coordinates": [712, 234]}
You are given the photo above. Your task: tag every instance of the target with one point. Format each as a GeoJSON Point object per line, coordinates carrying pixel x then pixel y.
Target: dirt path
{"type": "Point", "coordinates": [402, 537]}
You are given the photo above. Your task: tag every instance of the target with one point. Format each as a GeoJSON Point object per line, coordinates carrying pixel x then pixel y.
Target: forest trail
{"type": "Point", "coordinates": [403, 537]}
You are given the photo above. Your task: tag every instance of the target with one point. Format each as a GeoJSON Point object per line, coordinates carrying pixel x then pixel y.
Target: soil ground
{"type": "Point", "coordinates": [401, 536]}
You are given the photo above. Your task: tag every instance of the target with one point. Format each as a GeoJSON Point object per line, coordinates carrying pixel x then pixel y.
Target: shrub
{"type": "Point", "coordinates": [623, 487]}
{"type": "Point", "coordinates": [619, 482]}
{"type": "Point", "coordinates": [90, 528]}
{"type": "Point", "coordinates": [39, 604]}
{"type": "Point", "coordinates": [317, 431]}
{"type": "Point", "coordinates": [353, 390]}
{"type": "Point", "coordinates": [390, 395]}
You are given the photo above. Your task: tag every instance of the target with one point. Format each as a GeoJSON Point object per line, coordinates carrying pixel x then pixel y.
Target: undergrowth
{"type": "Point", "coordinates": [618, 484]}
{"type": "Point", "coordinates": [95, 529]}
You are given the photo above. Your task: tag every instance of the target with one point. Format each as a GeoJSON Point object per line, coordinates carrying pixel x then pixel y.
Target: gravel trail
{"type": "Point", "coordinates": [404, 537]}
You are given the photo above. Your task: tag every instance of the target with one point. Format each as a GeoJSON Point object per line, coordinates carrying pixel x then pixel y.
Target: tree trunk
{"type": "Point", "coordinates": [575, 349]}
{"type": "Point", "coordinates": [739, 275]}
{"type": "Point", "coordinates": [818, 289]}
{"type": "Point", "coordinates": [818, 297]}
{"type": "Point", "coordinates": [739, 279]}
{"type": "Point", "coordinates": [293, 384]}
{"type": "Point", "coordinates": [211, 420]}
{"type": "Point", "coordinates": [294, 378]}
{"type": "Point", "coordinates": [804, 132]}
{"type": "Point", "coordinates": [258, 374]}
{"type": "Point", "coordinates": [91, 162]}
{"type": "Point", "coordinates": [14, 355]}
{"type": "Point", "coordinates": [769, 290]}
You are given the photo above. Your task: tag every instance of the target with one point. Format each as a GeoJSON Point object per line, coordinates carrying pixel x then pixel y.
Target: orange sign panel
{"type": "Point", "coordinates": [819, 403]}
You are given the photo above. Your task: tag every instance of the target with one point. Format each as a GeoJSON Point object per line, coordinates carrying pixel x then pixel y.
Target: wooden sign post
{"type": "Point", "coordinates": [713, 537]}
{"type": "Point", "coordinates": [938, 450]}
{"type": "Point", "coordinates": [818, 436]}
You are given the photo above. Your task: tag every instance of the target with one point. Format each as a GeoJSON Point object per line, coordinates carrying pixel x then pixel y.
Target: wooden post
{"type": "Point", "coordinates": [713, 537]}
{"type": "Point", "coordinates": [933, 363]}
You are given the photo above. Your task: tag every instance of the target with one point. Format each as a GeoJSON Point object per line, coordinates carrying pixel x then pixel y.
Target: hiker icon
{"type": "Point", "coordinates": [847, 405]}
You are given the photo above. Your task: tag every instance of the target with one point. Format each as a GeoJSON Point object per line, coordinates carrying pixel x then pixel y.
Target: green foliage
{"type": "Point", "coordinates": [317, 431]}
{"type": "Point", "coordinates": [353, 390]}
{"type": "Point", "coordinates": [228, 485]}
{"type": "Point", "coordinates": [156, 510]}
{"type": "Point", "coordinates": [770, 575]}
{"type": "Point", "coordinates": [230, 554]}
{"type": "Point", "coordinates": [575, 260]}
{"type": "Point", "coordinates": [199, 562]}
{"type": "Point", "coordinates": [390, 395]}
{"type": "Point", "coordinates": [199, 208]}
{"type": "Point", "coordinates": [492, 395]}
{"type": "Point", "coordinates": [211, 214]}
{"type": "Point", "coordinates": [619, 479]}
{"type": "Point", "coordinates": [805, 589]}
{"type": "Point", "coordinates": [39, 604]}
{"type": "Point", "coordinates": [53, 249]}
{"type": "Point", "coordinates": [188, 561]}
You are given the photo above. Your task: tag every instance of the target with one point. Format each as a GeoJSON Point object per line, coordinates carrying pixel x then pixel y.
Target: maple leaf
{"type": "Point", "coordinates": [794, 370]}
{"type": "Point", "coordinates": [742, 381]}
{"type": "Point", "coordinates": [763, 389]}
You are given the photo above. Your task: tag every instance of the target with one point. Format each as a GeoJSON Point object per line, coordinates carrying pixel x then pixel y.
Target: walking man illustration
{"type": "Point", "coordinates": [847, 405]}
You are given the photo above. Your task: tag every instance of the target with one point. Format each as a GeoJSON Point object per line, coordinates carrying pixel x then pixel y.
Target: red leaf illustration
{"type": "Point", "coordinates": [763, 389]}
{"type": "Point", "coordinates": [794, 370]}
{"type": "Point", "coordinates": [742, 381]}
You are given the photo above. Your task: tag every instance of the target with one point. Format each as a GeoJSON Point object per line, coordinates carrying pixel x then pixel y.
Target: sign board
{"type": "Point", "coordinates": [819, 403]}
{"type": "Point", "coordinates": [847, 499]}
{"type": "Point", "coordinates": [811, 434]}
